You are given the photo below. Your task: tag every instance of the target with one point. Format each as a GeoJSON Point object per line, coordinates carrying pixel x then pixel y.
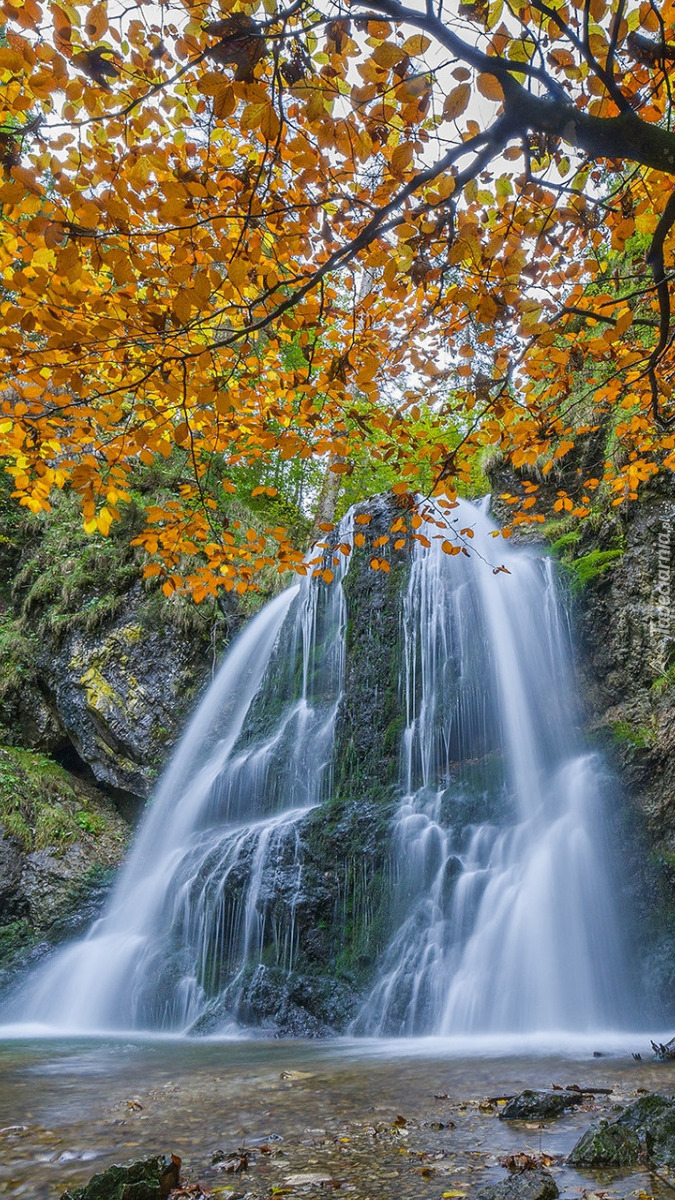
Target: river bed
{"type": "Point", "coordinates": [374, 1120]}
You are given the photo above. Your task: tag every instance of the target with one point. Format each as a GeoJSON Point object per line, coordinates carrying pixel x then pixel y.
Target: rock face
{"type": "Point", "coordinates": [97, 667]}
{"type": "Point", "coordinates": [537, 1106]}
{"type": "Point", "coordinates": [626, 621]}
{"type": "Point", "coordinates": [121, 693]}
{"type": "Point", "coordinates": [645, 1132]}
{"type": "Point", "coordinates": [60, 839]}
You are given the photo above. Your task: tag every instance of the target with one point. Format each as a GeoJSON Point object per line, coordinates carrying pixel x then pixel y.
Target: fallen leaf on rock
{"type": "Point", "coordinates": [528, 1162]}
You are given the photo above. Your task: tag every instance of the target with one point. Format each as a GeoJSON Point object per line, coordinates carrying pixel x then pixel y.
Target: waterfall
{"type": "Point", "coordinates": [504, 914]}
{"type": "Point", "coordinates": [211, 881]}
{"type": "Point", "coordinates": [494, 909]}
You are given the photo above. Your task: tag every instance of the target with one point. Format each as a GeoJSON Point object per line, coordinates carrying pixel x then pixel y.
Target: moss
{"type": "Point", "coordinates": [640, 736]}
{"type": "Point", "coordinates": [100, 695]}
{"type": "Point", "coordinates": [39, 806]}
{"type": "Point", "coordinates": [646, 1129]}
{"type": "Point", "coordinates": [150, 1179]}
{"type": "Point", "coordinates": [592, 566]}
{"type": "Point", "coordinates": [605, 1145]}
{"type": "Point", "coordinates": [562, 545]}
{"type": "Point", "coordinates": [15, 938]}
{"type": "Point", "coordinates": [18, 647]}
{"type": "Point", "coordinates": [665, 681]}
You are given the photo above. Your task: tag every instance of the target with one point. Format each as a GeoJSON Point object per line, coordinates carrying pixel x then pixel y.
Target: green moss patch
{"type": "Point", "coordinates": [592, 566]}
{"type": "Point", "coordinates": [39, 804]}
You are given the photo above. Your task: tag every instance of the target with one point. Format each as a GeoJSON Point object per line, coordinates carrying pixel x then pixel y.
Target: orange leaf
{"type": "Point", "coordinates": [456, 101]}
{"type": "Point", "coordinates": [490, 87]}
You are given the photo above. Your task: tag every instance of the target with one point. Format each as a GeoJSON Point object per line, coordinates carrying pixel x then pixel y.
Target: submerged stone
{"type": "Point", "coordinates": [645, 1131]}
{"type": "Point", "coordinates": [148, 1179]}
{"type": "Point", "coordinates": [531, 1105]}
{"type": "Point", "coordinates": [526, 1185]}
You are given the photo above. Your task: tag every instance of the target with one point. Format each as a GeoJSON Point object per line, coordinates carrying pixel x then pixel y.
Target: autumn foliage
{"type": "Point", "coordinates": [237, 232]}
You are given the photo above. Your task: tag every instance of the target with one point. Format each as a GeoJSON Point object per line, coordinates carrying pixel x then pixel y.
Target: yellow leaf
{"type": "Point", "coordinates": [417, 44]}
{"type": "Point", "coordinates": [388, 55]}
{"type": "Point", "coordinates": [104, 521]}
{"type": "Point", "coordinates": [237, 271]}
{"type": "Point", "coordinates": [252, 116]}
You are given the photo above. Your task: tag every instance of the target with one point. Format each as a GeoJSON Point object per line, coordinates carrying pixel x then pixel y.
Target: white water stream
{"type": "Point", "coordinates": [502, 909]}
{"type": "Point", "coordinates": [507, 920]}
{"type": "Point", "coordinates": [195, 903]}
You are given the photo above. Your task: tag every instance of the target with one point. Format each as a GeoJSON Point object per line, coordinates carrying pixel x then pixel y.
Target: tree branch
{"type": "Point", "coordinates": [656, 261]}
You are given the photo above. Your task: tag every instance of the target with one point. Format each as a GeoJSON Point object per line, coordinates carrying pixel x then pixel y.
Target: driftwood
{"type": "Point", "coordinates": [664, 1053]}
{"type": "Point", "coordinates": [588, 1091]}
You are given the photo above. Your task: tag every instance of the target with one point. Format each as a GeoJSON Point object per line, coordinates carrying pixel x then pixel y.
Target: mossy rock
{"type": "Point", "coordinates": [539, 1106]}
{"type": "Point", "coordinates": [593, 565]}
{"type": "Point", "coordinates": [525, 1185]}
{"type": "Point", "coordinates": [645, 1130]}
{"type": "Point", "coordinates": [148, 1179]}
{"type": "Point", "coordinates": [43, 806]}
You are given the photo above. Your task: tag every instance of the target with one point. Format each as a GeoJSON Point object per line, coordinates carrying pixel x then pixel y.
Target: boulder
{"type": "Point", "coordinates": [148, 1179]}
{"type": "Point", "coordinates": [539, 1106]}
{"type": "Point", "coordinates": [526, 1185]}
{"type": "Point", "coordinates": [644, 1132]}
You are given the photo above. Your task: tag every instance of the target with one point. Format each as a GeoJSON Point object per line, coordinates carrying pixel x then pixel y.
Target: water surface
{"type": "Point", "coordinates": [384, 1120]}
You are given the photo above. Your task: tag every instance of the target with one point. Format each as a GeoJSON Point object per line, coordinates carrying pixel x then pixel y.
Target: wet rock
{"type": "Point", "coordinates": [527, 1185]}
{"type": "Point", "coordinates": [11, 862]}
{"type": "Point", "coordinates": [50, 883]}
{"type": "Point", "coordinates": [120, 694]}
{"type": "Point", "coordinates": [148, 1179]}
{"type": "Point", "coordinates": [645, 1132]}
{"type": "Point", "coordinates": [60, 841]}
{"type": "Point", "coordinates": [539, 1106]}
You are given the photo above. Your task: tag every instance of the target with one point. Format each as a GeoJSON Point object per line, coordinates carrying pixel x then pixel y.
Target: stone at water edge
{"type": "Point", "coordinates": [644, 1132]}
{"type": "Point", "coordinates": [148, 1179]}
{"type": "Point", "coordinates": [526, 1185]}
{"type": "Point", "coordinates": [531, 1105]}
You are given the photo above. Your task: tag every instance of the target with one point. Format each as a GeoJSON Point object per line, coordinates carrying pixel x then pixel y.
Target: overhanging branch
{"type": "Point", "coordinates": [656, 261]}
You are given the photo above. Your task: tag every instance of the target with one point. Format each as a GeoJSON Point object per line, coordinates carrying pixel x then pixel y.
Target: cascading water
{"type": "Point", "coordinates": [197, 901]}
{"type": "Point", "coordinates": [504, 913]}
{"type": "Point", "coordinates": [496, 903]}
